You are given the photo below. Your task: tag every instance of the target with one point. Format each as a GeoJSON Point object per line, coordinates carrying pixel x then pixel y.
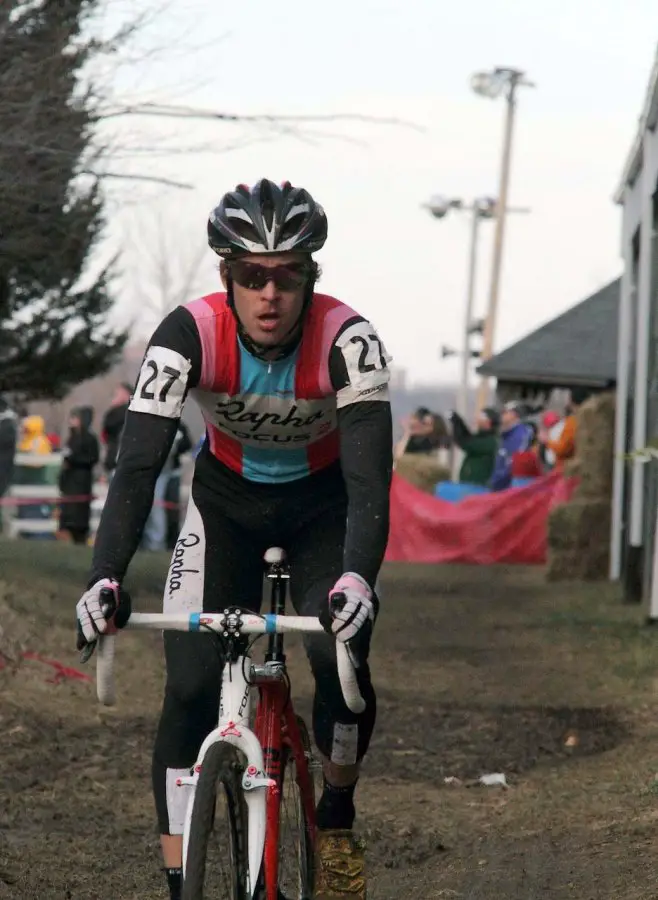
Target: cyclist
{"type": "Point", "coordinates": [293, 386]}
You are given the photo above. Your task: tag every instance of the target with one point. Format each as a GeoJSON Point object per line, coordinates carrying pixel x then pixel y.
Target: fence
{"type": "Point", "coordinates": [30, 508]}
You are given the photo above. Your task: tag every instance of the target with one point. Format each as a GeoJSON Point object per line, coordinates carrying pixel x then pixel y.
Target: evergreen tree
{"type": "Point", "coordinates": [53, 308]}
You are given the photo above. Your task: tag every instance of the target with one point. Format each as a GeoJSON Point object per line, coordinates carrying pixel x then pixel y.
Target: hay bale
{"type": "Point", "coordinates": [589, 563]}
{"type": "Point", "coordinates": [579, 531]}
{"type": "Point", "coordinates": [422, 470]}
{"type": "Point", "coordinates": [595, 445]}
{"type": "Point", "coordinates": [578, 524]}
{"type": "Point", "coordinates": [572, 468]}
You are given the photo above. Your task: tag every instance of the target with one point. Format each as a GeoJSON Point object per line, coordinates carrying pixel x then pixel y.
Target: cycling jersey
{"type": "Point", "coordinates": [268, 421]}
{"type": "Point", "coordinates": [323, 408]}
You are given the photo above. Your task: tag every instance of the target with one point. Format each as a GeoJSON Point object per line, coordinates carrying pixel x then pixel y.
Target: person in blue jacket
{"type": "Point", "coordinates": [515, 437]}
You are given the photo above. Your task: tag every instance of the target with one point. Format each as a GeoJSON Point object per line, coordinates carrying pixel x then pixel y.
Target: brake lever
{"type": "Point", "coordinates": [86, 652]}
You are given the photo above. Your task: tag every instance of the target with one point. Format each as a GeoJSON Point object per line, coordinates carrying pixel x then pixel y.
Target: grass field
{"type": "Point", "coordinates": [478, 670]}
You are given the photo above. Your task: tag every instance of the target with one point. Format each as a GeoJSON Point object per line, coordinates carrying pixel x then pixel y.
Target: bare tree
{"type": "Point", "coordinates": [163, 266]}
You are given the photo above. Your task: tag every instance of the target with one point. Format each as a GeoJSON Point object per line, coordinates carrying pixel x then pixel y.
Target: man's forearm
{"type": "Point", "coordinates": [366, 538]}
{"type": "Point", "coordinates": [144, 448]}
{"type": "Point", "coordinates": [367, 463]}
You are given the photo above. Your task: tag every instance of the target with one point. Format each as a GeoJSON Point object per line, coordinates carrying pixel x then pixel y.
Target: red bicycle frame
{"type": "Point", "coordinates": [277, 730]}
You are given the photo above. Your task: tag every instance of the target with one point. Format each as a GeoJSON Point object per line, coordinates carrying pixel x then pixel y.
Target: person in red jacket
{"type": "Point", "coordinates": [526, 463]}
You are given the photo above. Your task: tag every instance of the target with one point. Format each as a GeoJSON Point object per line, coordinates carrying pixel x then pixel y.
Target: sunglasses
{"type": "Point", "coordinates": [255, 276]}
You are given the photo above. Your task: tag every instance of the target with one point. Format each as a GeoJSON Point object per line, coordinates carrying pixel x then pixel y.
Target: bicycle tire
{"type": "Point", "coordinates": [303, 839]}
{"type": "Point", "coordinates": [222, 768]}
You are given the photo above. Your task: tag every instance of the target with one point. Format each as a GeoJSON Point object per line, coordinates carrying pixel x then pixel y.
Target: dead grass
{"type": "Point", "coordinates": [473, 665]}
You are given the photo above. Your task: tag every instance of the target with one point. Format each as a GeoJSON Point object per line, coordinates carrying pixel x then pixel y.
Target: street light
{"type": "Point", "coordinates": [499, 81]}
{"type": "Point", "coordinates": [480, 208]}
{"type": "Point", "coordinates": [440, 206]}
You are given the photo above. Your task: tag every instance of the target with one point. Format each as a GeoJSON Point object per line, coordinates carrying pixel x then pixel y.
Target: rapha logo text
{"type": "Point", "coordinates": [289, 425]}
{"type": "Point", "coordinates": [253, 420]}
{"type": "Point", "coordinates": [177, 568]}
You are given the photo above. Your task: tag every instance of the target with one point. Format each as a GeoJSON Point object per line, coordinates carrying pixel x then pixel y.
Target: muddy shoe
{"type": "Point", "coordinates": [339, 866]}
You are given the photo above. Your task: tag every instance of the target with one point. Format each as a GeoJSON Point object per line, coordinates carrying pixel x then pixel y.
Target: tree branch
{"type": "Point", "coordinates": [152, 178]}
{"type": "Point", "coordinates": [185, 112]}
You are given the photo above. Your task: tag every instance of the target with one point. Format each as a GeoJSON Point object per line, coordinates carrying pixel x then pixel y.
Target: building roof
{"type": "Point", "coordinates": [579, 347]}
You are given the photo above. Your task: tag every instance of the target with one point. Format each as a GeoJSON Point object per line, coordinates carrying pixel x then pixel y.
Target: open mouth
{"type": "Point", "coordinates": [268, 321]}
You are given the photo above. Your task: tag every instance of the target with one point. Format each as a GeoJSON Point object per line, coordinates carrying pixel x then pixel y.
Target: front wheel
{"type": "Point", "coordinates": [217, 863]}
{"type": "Point", "coordinates": [296, 821]}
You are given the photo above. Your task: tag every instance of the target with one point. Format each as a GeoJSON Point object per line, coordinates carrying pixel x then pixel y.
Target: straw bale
{"type": "Point", "coordinates": [578, 523]}
{"type": "Point", "coordinates": [595, 445]}
{"type": "Point", "coordinates": [422, 470]}
{"type": "Point", "coordinates": [589, 563]}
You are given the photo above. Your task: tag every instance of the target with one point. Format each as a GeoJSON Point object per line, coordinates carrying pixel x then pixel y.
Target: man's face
{"type": "Point", "coordinates": [268, 292]}
{"type": "Point", "coordinates": [483, 422]}
{"type": "Point", "coordinates": [509, 418]}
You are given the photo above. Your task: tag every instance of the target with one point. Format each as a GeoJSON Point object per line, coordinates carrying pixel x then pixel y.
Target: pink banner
{"type": "Point", "coordinates": [505, 527]}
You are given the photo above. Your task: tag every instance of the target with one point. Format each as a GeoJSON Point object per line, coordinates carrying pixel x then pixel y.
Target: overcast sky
{"type": "Point", "coordinates": [412, 60]}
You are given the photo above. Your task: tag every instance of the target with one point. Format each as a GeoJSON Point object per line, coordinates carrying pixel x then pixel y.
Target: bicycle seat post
{"type": "Point", "coordinates": [278, 575]}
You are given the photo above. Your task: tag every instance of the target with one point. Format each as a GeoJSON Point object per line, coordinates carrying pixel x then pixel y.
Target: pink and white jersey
{"type": "Point", "coordinates": [276, 421]}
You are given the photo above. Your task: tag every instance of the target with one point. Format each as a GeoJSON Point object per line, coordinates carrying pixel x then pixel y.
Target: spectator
{"type": "Point", "coordinates": [8, 439]}
{"type": "Point", "coordinates": [80, 455]}
{"type": "Point", "coordinates": [526, 464]}
{"type": "Point", "coordinates": [155, 530]}
{"type": "Point", "coordinates": [172, 493]}
{"type": "Point", "coordinates": [479, 447]}
{"type": "Point", "coordinates": [553, 424]}
{"type": "Point", "coordinates": [113, 425]}
{"type": "Point", "coordinates": [418, 435]}
{"type": "Point", "coordinates": [564, 446]}
{"type": "Point", "coordinates": [33, 438]}
{"type": "Point", "coordinates": [515, 437]}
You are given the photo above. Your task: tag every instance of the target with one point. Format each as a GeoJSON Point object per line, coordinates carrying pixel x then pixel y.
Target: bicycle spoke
{"type": "Point", "coordinates": [295, 839]}
{"type": "Point", "coordinates": [220, 879]}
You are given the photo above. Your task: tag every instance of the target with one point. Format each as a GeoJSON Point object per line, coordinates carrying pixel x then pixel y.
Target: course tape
{"type": "Point", "coordinates": [60, 670]}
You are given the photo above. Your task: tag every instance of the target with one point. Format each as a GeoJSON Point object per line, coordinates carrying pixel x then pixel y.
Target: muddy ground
{"type": "Point", "coordinates": [479, 671]}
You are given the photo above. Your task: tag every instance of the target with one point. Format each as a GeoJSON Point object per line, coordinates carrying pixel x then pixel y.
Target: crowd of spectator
{"type": "Point", "coordinates": [86, 459]}
{"type": "Point", "coordinates": [504, 446]}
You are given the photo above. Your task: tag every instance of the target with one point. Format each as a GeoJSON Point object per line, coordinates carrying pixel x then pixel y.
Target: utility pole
{"type": "Point", "coordinates": [493, 84]}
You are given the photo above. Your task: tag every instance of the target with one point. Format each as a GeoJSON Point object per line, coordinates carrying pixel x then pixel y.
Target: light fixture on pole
{"type": "Point", "coordinates": [499, 81]}
{"type": "Point", "coordinates": [480, 208]}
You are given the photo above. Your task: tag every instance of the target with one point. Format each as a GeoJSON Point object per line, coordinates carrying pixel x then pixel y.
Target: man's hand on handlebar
{"type": "Point", "coordinates": [351, 614]}
{"type": "Point", "coordinates": [102, 609]}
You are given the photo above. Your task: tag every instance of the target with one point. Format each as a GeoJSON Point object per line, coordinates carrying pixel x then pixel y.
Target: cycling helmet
{"type": "Point", "coordinates": [266, 218]}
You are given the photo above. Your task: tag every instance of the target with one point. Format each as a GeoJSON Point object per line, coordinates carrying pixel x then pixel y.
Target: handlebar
{"type": "Point", "coordinates": [217, 622]}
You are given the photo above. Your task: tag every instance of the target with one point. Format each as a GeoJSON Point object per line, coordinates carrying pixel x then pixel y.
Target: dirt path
{"type": "Point", "coordinates": [478, 671]}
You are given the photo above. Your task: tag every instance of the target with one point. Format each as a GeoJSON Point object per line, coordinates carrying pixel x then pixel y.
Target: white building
{"type": "Point", "coordinates": [634, 495]}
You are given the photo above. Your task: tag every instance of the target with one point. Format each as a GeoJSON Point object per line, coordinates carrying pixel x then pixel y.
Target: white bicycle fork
{"type": "Point", "coordinates": [233, 728]}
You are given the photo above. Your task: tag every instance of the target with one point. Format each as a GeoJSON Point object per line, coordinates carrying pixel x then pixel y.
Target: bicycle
{"type": "Point", "coordinates": [250, 768]}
